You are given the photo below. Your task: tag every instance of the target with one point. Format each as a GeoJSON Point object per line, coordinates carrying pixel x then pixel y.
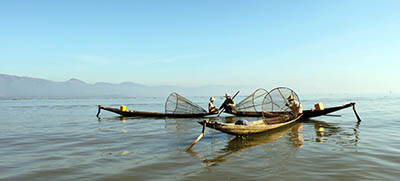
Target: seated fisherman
{"type": "Point", "coordinates": [228, 104]}
{"type": "Point", "coordinates": [211, 107]}
{"type": "Point", "coordinates": [295, 106]}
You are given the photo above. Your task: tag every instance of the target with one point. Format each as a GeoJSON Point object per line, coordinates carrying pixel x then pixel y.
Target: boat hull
{"type": "Point", "coordinates": [306, 113]}
{"type": "Point", "coordinates": [255, 127]}
{"type": "Point", "coordinates": [131, 113]}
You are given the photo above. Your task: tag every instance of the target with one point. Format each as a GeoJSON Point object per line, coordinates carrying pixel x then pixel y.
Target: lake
{"type": "Point", "coordinates": [62, 139]}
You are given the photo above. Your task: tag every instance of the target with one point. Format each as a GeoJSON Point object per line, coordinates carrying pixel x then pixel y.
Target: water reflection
{"type": "Point", "coordinates": [355, 131]}
{"type": "Point", "coordinates": [240, 143]}
{"type": "Point", "coordinates": [324, 130]}
{"type": "Point", "coordinates": [117, 118]}
{"type": "Point", "coordinates": [291, 135]}
{"type": "Point", "coordinates": [296, 135]}
{"type": "Point", "coordinates": [319, 132]}
{"type": "Point", "coordinates": [123, 119]}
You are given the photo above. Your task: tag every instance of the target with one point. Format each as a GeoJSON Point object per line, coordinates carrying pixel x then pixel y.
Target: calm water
{"type": "Point", "coordinates": [61, 139]}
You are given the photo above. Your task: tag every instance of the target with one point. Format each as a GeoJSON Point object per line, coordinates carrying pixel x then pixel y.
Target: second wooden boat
{"type": "Point", "coordinates": [306, 113]}
{"type": "Point", "coordinates": [279, 107]}
{"type": "Point", "coordinates": [254, 127]}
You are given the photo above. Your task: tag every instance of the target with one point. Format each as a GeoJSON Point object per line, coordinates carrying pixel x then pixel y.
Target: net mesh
{"type": "Point", "coordinates": [276, 101]}
{"type": "Point", "coordinates": [252, 103]}
{"type": "Point", "coordinates": [177, 104]}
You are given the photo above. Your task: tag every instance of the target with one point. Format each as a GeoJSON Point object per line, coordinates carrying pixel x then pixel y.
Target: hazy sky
{"type": "Point", "coordinates": [328, 46]}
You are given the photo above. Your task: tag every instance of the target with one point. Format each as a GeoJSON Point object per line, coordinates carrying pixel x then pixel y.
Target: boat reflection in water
{"type": "Point", "coordinates": [324, 130]}
{"type": "Point", "coordinates": [282, 143]}
{"type": "Point", "coordinates": [241, 143]}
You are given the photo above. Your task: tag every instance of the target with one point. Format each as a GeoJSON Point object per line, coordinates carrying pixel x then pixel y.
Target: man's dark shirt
{"type": "Point", "coordinates": [225, 105]}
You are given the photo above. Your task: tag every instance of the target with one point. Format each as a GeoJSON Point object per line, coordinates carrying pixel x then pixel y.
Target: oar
{"type": "Point", "coordinates": [222, 110]}
{"type": "Point", "coordinates": [198, 138]}
{"type": "Point", "coordinates": [355, 112]}
{"type": "Point", "coordinates": [98, 112]}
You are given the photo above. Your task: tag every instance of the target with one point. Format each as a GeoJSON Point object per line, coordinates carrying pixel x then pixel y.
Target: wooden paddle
{"type": "Point", "coordinates": [98, 112]}
{"type": "Point", "coordinates": [355, 112]}
{"type": "Point", "coordinates": [222, 110]}
{"type": "Point", "coordinates": [198, 138]}
{"type": "Point", "coordinates": [203, 132]}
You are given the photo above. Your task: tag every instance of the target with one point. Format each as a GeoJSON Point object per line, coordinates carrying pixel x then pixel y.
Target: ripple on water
{"type": "Point", "coordinates": [63, 140]}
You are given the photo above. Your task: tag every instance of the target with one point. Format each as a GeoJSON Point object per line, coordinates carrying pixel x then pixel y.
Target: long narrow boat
{"type": "Point", "coordinates": [314, 113]}
{"type": "Point", "coordinates": [176, 106]}
{"type": "Point", "coordinates": [131, 113]}
{"type": "Point", "coordinates": [306, 113]}
{"type": "Point", "coordinates": [255, 127]}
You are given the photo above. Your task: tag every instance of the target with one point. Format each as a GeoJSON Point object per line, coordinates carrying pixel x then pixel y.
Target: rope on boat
{"type": "Point", "coordinates": [203, 132]}
{"type": "Point", "coordinates": [355, 112]}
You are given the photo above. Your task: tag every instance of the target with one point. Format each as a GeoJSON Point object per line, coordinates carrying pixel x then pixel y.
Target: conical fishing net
{"type": "Point", "coordinates": [177, 104]}
{"type": "Point", "coordinates": [252, 103]}
{"type": "Point", "coordinates": [276, 103]}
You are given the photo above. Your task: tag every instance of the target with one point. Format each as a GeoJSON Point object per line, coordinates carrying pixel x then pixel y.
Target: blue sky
{"type": "Point", "coordinates": [328, 46]}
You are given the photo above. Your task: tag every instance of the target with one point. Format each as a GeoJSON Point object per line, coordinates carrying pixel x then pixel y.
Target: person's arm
{"type": "Point", "coordinates": [214, 110]}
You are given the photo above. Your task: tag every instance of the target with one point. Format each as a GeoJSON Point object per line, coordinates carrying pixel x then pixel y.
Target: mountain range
{"type": "Point", "coordinates": [12, 86]}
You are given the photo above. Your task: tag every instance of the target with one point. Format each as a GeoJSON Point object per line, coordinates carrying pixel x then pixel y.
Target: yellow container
{"type": "Point", "coordinates": [123, 108]}
{"type": "Point", "coordinates": [319, 106]}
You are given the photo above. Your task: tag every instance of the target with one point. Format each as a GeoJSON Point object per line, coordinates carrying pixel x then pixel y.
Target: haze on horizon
{"type": "Point", "coordinates": [310, 46]}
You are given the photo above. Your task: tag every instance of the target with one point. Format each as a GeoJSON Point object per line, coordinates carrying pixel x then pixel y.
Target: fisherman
{"type": "Point", "coordinates": [295, 106]}
{"type": "Point", "coordinates": [211, 108]}
{"type": "Point", "coordinates": [228, 104]}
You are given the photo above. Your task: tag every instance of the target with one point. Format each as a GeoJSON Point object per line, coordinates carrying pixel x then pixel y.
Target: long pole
{"type": "Point", "coordinates": [222, 110]}
{"type": "Point", "coordinates": [355, 112]}
{"type": "Point", "coordinates": [203, 132]}
{"type": "Point", "coordinates": [98, 112]}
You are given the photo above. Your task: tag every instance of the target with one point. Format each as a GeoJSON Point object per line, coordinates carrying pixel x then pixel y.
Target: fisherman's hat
{"type": "Point", "coordinates": [227, 95]}
{"type": "Point", "coordinates": [212, 99]}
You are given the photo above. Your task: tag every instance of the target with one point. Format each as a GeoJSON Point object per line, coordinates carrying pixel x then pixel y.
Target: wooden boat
{"type": "Point", "coordinates": [276, 108]}
{"type": "Point", "coordinates": [255, 127]}
{"type": "Point", "coordinates": [306, 113]}
{"type": "Point", "coordinates": [176, 106]}
{"type": "Point", "coordinates": [314, 113]}
{"type": "Point", "coordinates": [131, 113]}
{"type": "Point", "coordinates": [271, 121]}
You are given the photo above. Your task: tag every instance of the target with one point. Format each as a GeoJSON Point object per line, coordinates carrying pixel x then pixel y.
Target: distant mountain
{"type": "Point", "coordinates": [26, 87]}
{"type": "Point", "coordinates": [75, 81]}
